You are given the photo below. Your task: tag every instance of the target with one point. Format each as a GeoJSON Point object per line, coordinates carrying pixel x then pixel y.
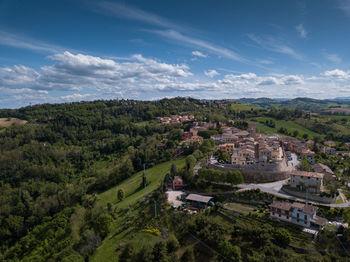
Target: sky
{"type": "Point", "coordinates": [75, 50]}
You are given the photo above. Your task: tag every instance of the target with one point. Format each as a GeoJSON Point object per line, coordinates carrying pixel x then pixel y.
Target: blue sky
{"type": "Point", "coordinates": [62, 51]}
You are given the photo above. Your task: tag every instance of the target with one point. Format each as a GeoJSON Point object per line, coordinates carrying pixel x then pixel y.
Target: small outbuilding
{"type": "Point", "coordinates": [178, 183]}
{"type": "Point", "coordinates": [199, 201]}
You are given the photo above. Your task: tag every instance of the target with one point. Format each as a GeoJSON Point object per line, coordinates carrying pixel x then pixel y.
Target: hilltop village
{"type": "Point", "coordinates": [260, 158]}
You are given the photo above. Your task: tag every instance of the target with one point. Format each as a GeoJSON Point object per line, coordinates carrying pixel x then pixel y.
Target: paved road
{"type": "Point", "coordinates": [274, 188]}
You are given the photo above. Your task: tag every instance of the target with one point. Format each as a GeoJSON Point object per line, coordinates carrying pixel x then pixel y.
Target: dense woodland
{"type": "Point", "coordinates": [53, 168]}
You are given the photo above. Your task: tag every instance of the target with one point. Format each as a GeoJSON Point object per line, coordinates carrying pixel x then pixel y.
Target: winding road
{"type": "Point", "coordinates": [275, 188]}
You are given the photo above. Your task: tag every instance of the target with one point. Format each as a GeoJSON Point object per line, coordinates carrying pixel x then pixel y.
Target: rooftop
{"type": "Point", "coordinates": [320, 168]}
{"type": "Point", "coordinates": [308, 174]}
{"type": "Point", "coordinates": [198, 198]}
{"type": "Point", "coordinates": [281, 205]}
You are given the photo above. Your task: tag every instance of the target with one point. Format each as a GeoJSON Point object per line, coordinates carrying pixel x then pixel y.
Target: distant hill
{"type": "Point", "coordinates": [302, 103]}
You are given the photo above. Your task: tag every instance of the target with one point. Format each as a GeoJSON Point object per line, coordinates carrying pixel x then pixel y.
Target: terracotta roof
{"type": "Point", "coordinates": [308, 174]}
{"type": "Point", "coordinates": [281, 205]}
{"type": "Point", "coordinates": [307, 151]}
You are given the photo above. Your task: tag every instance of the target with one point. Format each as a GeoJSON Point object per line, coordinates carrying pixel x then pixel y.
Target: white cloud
{"type": "Point", "coordinates": [211, 73]}
{"type": "Point", "coordinates": [191, 41]}
{"type": "Point", "coordinates": [275, 45]}
{"type": "Point", "coordinates": [16, 41]}
{"type": "Point", "coordinates": [76, 77]}
{"type": "Point", "coordinates": [337, 74]}
{"type": "Point", "coordinates": [171, 30]}
{"type": "Point", "coordinates": [199, 54]}
{"type": "Point", "coordinates": [333, 57]}
{"type": "Point", "coordinates": [302, 31]}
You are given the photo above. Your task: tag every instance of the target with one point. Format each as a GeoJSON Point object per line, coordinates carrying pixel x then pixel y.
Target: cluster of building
{"type": "Point", "coordinates": [175, 119]}
{"type": "Point", "coordinates": [297, 213]}
{"type": "Point", "coordinates": [247, 147]}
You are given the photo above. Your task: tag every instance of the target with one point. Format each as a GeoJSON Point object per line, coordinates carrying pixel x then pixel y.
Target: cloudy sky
{"type": "Point", "coordinates": [74, 50]}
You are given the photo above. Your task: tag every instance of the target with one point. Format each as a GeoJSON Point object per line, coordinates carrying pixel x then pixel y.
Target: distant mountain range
{"type": "Point", "coordinates": [303, 103]}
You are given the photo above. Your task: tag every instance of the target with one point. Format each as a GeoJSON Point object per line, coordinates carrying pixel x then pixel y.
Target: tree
{"type": "Point", "coordinates": [160, 252]}
{"type": "Point", "coordinates": [305, 136]}
{"type": "Point", "coordinates": [190, 162]}
{"type": "Point", "coordinates": [172, 244]}
{"type": "Point", "coordinates": [295, 133]}
{"type": "Point", "coordinates": [145, 255]}
{"type": "Point", "coordinates": [120, 194]}
{"type": "Point", "coordinates": [282, 237]}
{"type": "Point", "coordinates": [188, 255]}
{"type": "Point", "coordinates": [128, 253]}
{"type": "Point", "coordinates": [173, 170]}
{"type": "Point", "coordinates": [103, 224]}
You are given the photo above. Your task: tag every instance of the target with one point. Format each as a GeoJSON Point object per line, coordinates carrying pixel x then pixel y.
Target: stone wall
{"type": "Point", "coordinates": [254, 175]}
{"type": "Point", "coordinates": [316, 198]}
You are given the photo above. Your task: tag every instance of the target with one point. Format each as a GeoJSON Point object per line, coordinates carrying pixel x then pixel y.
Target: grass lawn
{"type": "Point", "coordinates": [289, 125]}
{"type": "Point", "coordinates": [131, 185]}
{"type": "Point", "coordinates": [240, 208]}
{"type": "Point", "coordinates": [108, 250]}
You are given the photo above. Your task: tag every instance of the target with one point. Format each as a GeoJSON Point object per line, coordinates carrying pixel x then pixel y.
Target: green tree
{"type": "Point", "coordinates": [160, 252]}
{"type": "Point", "coordinates": [282, 237]}
{"type": "Point", "coordinates": [103, 224]}
{"type": "Point", "coordinates": [120, 194]}
{"type": "Point", "coordinates": [188, 255]}
{"type": "Point", "coordinates": [190, 162]}
{"type": "Point", "coordinates": [172, 244]}
{"type": "Point", "coordinates": [128, 254]}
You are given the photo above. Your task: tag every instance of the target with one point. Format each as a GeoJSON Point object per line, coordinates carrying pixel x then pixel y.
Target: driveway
{"type": "Point", "coordinates": [172, 197]}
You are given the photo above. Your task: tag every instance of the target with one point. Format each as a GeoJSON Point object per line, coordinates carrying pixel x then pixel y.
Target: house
{"type": "Point", "coordinates": [297, 213]}
{"type": "Point", "coordinates": [347, 144]}
{"type": "Point", "coordinates": [186, 135]}
{"type": "Point", "coordinates": [330, 143]}
{"type": "Point", "coordinates": [243, 157]}
{"type": "Point", "coordinates": [178, 183]}
{"type": "Point", "coordinates": [310, 155]}
{"type": "Point", "coordinates": [307, 181]}
{"type": "Point", "coordinates": [228, 148]}
{"type": "Point", "coordinates": [198, 201]}
{"type": "Point", "coordinates": [328, 150]}
{"type": "Point", "coordinates": [322, 168]}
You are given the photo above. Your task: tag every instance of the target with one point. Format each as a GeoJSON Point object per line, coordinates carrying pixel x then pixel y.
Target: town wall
{"type": "Point", "coordinates": [311, 197]}
{"type": "Point", "coordinates": [263, 174]}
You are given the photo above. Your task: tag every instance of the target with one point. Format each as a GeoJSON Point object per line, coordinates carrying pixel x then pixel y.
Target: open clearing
{"type": "Point", "coordinates": [6, 122]}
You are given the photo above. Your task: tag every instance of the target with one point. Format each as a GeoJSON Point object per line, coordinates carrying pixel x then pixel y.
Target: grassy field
{"type": "Point", "coordinates": [131, 185]}
{"type": "Point", "coordinates": [242, 107]}
{"type": "Point", "coordinates": [289, 125]}
{"type": "Point", "coordinates": [240, 208]}
{"type": "Point", "coordinates": [108, 250]}
{"type": "Point", "coordinates": [6, 122]}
